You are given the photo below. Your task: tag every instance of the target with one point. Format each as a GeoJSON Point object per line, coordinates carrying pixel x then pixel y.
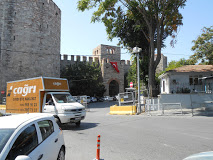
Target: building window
{"type": "Point", "coordinates": [110, 50]}
{"type": "Point", "coordinates": [195, 80]}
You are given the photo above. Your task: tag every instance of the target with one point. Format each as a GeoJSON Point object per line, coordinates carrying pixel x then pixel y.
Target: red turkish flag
{"type": "Point", "coordinates": [115, 65]}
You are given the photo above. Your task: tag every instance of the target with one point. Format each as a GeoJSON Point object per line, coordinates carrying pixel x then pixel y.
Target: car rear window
{"type": "Point", "coordinates": [4, 136]}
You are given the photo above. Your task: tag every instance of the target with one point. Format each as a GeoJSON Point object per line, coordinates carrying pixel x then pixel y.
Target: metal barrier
{"type": "Point", "coordinates": [126, 98]}
{"type": "Point", "coordinates": [154, 107]}
{"type": "Point", "coordinates": [172, 107]}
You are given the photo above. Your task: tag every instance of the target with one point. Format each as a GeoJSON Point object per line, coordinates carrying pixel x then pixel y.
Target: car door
{"type": "Point", "coordinates": [49, 139]}
{"type": "Point", "coordinates": [26, 143]}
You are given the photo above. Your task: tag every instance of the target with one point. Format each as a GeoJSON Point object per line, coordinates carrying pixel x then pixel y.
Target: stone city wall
{"type": "Point", "coordinates": [29, 40]}
{"type": "Point", "coordinates": [108, 72]}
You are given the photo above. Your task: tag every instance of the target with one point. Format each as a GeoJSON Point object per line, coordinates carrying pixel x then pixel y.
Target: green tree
{"type": "Point", "coordinates": [203, 47]}
{"type": "Point", "coordinates": [132, 74]}
{"type": "Point", "coordinates": [182, 62]}
{"type": "Point", "coordinates": [153, 19]}
{"type": "Point", "coordinates": [84, 79]}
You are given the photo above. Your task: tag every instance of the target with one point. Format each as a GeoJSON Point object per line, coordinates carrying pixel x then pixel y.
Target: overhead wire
{"type": "Point", "coordinates": [86, 55]}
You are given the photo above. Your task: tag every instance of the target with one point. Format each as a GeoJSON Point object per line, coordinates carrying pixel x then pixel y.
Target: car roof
{"type": "Point", "coordinates": [13, 121]}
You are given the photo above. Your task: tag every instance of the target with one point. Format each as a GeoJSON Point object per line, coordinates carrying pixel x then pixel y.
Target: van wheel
{"type": "Point", "coordinates": [61, 154]}
{"type": "Point", "coordinates": [58, 121]}
{"type": "Point", "coordinates": [78, 123]}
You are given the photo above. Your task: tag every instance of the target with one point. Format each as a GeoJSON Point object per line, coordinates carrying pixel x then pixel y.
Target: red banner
{"type": "Point", "coordinates": [115, 65]}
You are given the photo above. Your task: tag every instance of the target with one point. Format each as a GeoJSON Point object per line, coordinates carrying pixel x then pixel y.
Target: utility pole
{"type": "Point", "coordinates": [137, 50]}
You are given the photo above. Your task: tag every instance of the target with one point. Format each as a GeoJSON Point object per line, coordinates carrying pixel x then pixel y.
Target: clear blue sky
{"type": "Point", "coordinates": [80, 37]}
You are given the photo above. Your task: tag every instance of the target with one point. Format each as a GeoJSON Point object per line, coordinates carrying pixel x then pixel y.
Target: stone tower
{"type": "Point", "coordinates": [112, 79]}
{"type": "Point", "coordinates": [162, 64]}
{"type": "Point", "coordinates": [29, 40]}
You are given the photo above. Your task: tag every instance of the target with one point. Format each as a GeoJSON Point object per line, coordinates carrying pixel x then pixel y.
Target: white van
{"type": "Point", "coordinates": [44, 95]}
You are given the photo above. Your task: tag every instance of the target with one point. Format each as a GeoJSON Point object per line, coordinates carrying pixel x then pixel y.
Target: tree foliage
{"type": "Point", "coordinates": [175, 64]}
{"type": "Point", "coordinates": [84, 79]}
{"type": "Point", "coordinates": [203, 47]}
{"type": "Point", "coordinates": [150, 20]}
{"type": "Point", "coordinates": [132, 74]}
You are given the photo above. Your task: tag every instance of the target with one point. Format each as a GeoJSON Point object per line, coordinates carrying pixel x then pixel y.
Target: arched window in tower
{"type": "Point", "coordinates": [111, 51]}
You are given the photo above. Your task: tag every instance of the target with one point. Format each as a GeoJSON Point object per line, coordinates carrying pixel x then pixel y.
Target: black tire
{"type": "Point", "coordinates": [58, 121]}
{"type": "Point", "coordinates": [61, 154]}
{"type": "Point", "coordinates": [78, 123]}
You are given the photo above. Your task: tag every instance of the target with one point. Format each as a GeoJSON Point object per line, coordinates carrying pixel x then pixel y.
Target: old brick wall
{"type": "Point", "coordinates": [29, 39]}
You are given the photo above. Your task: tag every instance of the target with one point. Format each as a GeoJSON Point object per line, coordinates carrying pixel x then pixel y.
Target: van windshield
{"type": "Point", "coordinates": [63, 98]}
{"type": "Point", "coordinates": [4, 136]}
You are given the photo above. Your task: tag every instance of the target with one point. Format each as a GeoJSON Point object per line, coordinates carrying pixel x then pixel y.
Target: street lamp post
{"type": "Point", "coordinates": [137, 50]}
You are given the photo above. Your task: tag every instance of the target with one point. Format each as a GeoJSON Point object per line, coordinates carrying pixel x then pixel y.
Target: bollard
{"type": "Point", "coordinates": [98, 148]}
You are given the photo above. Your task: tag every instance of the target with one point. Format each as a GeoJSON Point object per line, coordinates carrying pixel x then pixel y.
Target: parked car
{"type": "Point", "coordinates": [88, 99]}
{"type": "Point", "coordinates": [108, 98]}
{"type": "Point", "coordinates": [93, 99]}
{"type": "Point", "coordinates": [100, 99]}
{"type": "Point", "coordinates": [32, 136]}
{"type": "Point", "coordinates": [105, 98]}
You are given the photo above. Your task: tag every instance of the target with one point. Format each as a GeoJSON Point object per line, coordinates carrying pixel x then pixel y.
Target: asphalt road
{"type": "Point", "coordinates": [137, 137]}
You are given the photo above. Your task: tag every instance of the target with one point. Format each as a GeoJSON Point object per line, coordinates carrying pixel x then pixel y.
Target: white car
{"type": "Point", "coordinates": [93, 99]}
{"type": "Point", "coordinates": [33, 136]}
{"type": "Point", "coordinates": [201, 156]}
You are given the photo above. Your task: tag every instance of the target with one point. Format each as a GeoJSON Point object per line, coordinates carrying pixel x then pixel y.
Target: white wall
{"type": "Point", "coordinates": [166, 81]}
{"type": "Point", "coordinates": [182, 81]}
{"type": "Point", "coordinates": [187, 100]}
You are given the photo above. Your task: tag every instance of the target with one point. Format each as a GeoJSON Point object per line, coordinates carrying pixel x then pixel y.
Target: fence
{"type": "Point", "coordinates": [180, 104]}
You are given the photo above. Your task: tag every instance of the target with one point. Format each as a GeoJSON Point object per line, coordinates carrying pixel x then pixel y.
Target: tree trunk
{"type": "Point", "coordinates": [151, 83]}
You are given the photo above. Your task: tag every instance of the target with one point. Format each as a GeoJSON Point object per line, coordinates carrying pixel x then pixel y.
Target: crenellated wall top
{"type": "Point", "coordinates": [78, 58]}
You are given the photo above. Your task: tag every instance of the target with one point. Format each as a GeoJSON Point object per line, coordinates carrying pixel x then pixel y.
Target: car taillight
{"type": "Point", "coordinates": [61, 130]}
